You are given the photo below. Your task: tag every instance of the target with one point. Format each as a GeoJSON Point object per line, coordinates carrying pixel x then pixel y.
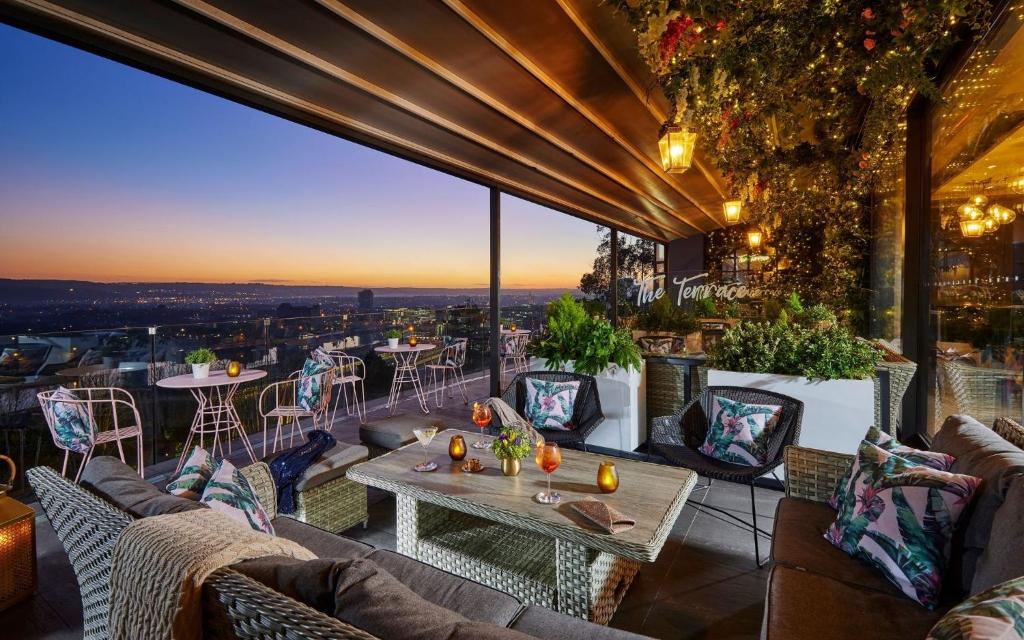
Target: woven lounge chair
{"type": "Point", "coordinates": [586, 412]}
{"type": "Point", "coordinates": [677, 438]}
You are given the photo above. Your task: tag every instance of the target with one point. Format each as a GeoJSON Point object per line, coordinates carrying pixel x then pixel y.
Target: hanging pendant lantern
{"type": "Point", "coordinates": [979, 200]}
{"type": "Point", "coordinates": [972, 228]}
{"type": "Point", "coordinates": [754, 239]}
{"type": "Point", "coordinates": [1001, 214]}
{"type": "Point", "coordinates": [732, 209]}
{"type": "Point", "coordinates": [676, 147]}
{"type": "Point", "coordinates": [970, 212]}
{"type": "Point", "coordinates": [1017, 184]}
{"type": "Point", "coordinates": [990, 224]}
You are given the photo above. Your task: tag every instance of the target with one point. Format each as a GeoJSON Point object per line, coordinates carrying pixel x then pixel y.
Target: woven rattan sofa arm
{"type": "Point", "coordinates": [1010, 430]}
{"type": "Point", "coordinates": [240, 607]}
{"type": "Point", "coordinates": [813, 474]}
{"type": "Point", "coordinates": [262, 482]}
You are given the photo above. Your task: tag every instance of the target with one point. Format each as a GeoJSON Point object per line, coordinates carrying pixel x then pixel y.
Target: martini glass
{"type": "Point", "coordinates": [424, 436]}
{"type": "Point", "coordinates": [481, 418]}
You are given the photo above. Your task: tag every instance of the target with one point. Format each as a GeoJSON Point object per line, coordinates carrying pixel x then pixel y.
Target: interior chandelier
{"type": "Point", "coordinates": [977, 220]}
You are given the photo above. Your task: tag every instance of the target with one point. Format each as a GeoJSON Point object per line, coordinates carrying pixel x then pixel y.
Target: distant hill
{"type": "Point", "coordinates": [23, 292]}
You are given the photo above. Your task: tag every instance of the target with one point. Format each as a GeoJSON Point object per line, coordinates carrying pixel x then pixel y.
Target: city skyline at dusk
{"type": "Point", "coordinates": [110, 174]}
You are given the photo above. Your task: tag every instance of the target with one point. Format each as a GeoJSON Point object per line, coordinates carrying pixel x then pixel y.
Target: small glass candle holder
{"type": "Point", "coordinates": [412, 341]}
{"type": "Point", "coordinates": [607, 477]}
{"type": "Point", "coordinates": [234, 368]}
{"type": "Point", "coordinates": [457, 448]}
{"type": "Point", "coordinates": [512, 327]}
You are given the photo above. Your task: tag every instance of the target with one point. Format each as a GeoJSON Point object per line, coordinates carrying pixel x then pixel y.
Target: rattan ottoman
{"type": "Point", "coordinates": [388, 434]}
{"type": "Point", "coordinates": [325, 498]}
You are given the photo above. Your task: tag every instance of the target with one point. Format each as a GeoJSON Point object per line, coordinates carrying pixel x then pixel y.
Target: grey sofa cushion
{"type": "Point", "coordinates": [979, 452]}
{"type": "Point", "coordinates": [803, 605]}
{"type": "Point", "coordinates": [1003, 558]}
{"type": "Point", "coordinates": [331, 465]}
{"type": "Point", "coordinates": [550, 625]}
{"type": "Point", "coordinates": [396, 431]}
{"type": "Point", "coordinates": [119, 484]}
{"type": "Point", "coordinates": [798, 542]}
{"type": "Point", "coordinates": [320, 542]}
{"type": "Point", "coordinates": [364, 595]}
{"type": "Point", "coordinates": [465, 597]}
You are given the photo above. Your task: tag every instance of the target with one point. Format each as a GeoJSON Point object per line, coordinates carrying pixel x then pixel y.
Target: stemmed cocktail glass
{"type": "Point", "coordinates": [481, 418]}
{"type": "Point", "coordinates": [424, 436]}
{"type": "Point", "coordinates": [548, 459]}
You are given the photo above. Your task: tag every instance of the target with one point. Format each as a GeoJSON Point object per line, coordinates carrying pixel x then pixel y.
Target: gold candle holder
{"type": "Point", "coordinates": [607, 477]}
{"type": "Point", "coordinates": [234, 369]}
{"type": "Point", "coordinates": [412, 341]}
{"type": "Point", "coordinates": [17, 546]}
{"type": "Point", "coordinates": [457, 448]}
{"type": "Point", "coordinates": [512, 327]}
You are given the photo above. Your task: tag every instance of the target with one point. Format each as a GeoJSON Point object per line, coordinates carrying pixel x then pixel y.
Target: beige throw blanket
{"type": "Point", "coordinates": [160, 563]}
{"type": "Point", "coordinates": [510, 419]}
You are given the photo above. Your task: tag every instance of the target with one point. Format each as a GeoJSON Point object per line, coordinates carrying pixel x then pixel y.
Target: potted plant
{"type": "Point", "coordinates": [510, 447]}
{"type": "Point", "coordinates": [393, 336]}
{"type": "Point", "coordinates": [662, 317]}
{"type": "Point", "coordinates": [819, 363]}
{"type": "Point", "coordinates": [201, 359]}
{"type": "Point", "coordinates": [576, 341]}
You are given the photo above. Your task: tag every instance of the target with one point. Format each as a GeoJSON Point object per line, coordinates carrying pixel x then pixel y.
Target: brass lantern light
{"type": "Point", "coordinates": [1017, 184]}
{"type": "Point", "coordinates": [676, 148]}
{"type": "Point", "coordinates": [979, 200]}
{"type": "Point", "coordinates": [989, 224]}
{"type": "Point", "coordinates": [754, 239]}
{"type": "Point", "coordinates": [972, 228]}
{"type": "Point", "coordinates": [732, 209]}
{"type": "Point", "coordinates": [970, 212]}
{"type": "Point", "coordinates": [1001, 214]}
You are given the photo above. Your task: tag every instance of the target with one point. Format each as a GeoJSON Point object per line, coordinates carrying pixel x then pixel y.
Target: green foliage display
{"type": "Point", "coordinates": [705, 307]}
{"type": "Point", "coordinates": [819, 314]}
{"type": "Point", "coordinates": [201, 356]}
{"type": "Point", "coordinates": [391, 334]}
{"type": "Point", "coordinates": [511, 444]}
{"type": "Point", "coordinates": [793, 305]}
{"type": "Point", "coordinates": [790, 349]}
{"type": "Point", "coordinates": [663, 315]}
{"type": "Point", "coordinates": [590, 343]}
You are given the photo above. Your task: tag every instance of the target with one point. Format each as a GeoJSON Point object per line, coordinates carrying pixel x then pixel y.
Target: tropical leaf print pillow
{"type": "Point", "coordinates": [231, 494]}
{"type": "Point", "coordinates": [996, 613]}
{"type": "Point", "coordinates": [321, 356]}
{"type": "Point", "coordinates": [882, 440]}
{"type": "Point", "coordinates": [739, 432]}
{"type": "Point", "coordinates": [195, 473]}
{"type": "Point", "coordinates": [71, 424]}
{"type": "Point", "coordinates": [309, 391]}
{"type": "Point", "coordinates": [661, 346]}
{"type": "Point", "coordinates": [549, 405]}
{"type": "Point", "coordinates": [898, 517]}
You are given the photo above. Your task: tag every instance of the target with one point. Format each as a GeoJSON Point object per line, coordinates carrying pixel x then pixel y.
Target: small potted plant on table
{"type": "Point", "coordinates": [510, 447]}
{"type": "Point", "coordinates": [393, 336]}
{"type": "Point", "coordinates": [201, 359]}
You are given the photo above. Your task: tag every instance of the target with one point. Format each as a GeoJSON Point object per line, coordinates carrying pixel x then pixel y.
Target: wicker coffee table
{"type": "Point", "coordinates": [487, 527]}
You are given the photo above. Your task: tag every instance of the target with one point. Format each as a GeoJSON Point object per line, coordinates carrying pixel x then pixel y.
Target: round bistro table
{"type": "Point", "coordinates": [215, 413]}
{"type": "Point", "coordinates": [406, 371]}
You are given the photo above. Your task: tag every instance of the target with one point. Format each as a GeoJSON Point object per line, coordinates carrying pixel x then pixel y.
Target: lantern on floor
{"type": "Point", "coordinates": [754, 239]}
{"type": "Point", "coordinates": [1001, 214]}
{"type": "Point", "coordinates": [17, 545]}
{"type": "Point", "coordinates": [676, 146]}
{"type": "Point", "coordinates": [732, 210]}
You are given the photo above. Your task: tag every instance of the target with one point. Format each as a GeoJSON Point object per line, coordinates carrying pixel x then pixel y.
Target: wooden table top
{"type": "Point", "coordinates": [652, 494]}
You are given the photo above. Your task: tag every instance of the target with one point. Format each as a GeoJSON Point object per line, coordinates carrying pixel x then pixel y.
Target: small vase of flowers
{"type": "Point", "coordinates": [510, 447]}
{"type": "Point", "coordinates": [201, 359]}
{"type": "Point", "coordinates": [393, 336]}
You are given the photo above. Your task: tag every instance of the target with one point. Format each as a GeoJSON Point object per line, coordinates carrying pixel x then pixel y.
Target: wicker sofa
{"type": "Point", "coordinates": [816, 591]}
{"type": "Point", "coordinates": [89, 518]}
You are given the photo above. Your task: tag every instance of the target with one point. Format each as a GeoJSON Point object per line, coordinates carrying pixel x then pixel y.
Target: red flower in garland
{"type": "Point", "coordinates": [673, 33]}
{"type": "Point", "coordinates": [869, 43]}
{"type": "Point", "coordinates": [867, 14]}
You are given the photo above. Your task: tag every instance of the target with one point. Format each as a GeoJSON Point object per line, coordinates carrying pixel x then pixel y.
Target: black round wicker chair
{"type": "Point", "coordinates": [677, 438]}
{"type": "Point", "coordinates": [586, 411]}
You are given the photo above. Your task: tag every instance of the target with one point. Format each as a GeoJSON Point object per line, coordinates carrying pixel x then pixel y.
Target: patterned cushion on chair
{"type": "Point", "coordinates": [194, 475]}
{"type": "Point", "coordinates": [308, 394]}
{"type": "Point", "coordinates": [70, 421]}
{"type": "Point", "coordinates": [321, 356]}
{"type": "Point", "coordinates": [899, 518]}
{"type": "Point", "coordinates": [549, 405]}
{"type": "Point", "coordinates": [739, 432]}
{"type": "Point", "coordinates": [996, 613]}
{"type": "Point", "coordinates": [877, 437]}
{"type": "Point", "coordinates": [658, 345]}
{"type": "Point", "coordinates": [231, 494]}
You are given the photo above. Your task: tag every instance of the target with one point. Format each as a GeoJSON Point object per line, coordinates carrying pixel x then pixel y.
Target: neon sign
{"type": "Point", "coordinates": [691, 288]}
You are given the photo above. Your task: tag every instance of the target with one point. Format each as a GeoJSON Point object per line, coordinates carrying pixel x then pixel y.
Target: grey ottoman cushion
{"type": "Point", "coordinates": [1003, 558]}
{"type": "Point", "coordinates": [396, 431]}
{"type": "Point", "coordinates": [333, 464]}
{"type": "Point", "coordinates": [119, 484]}
{"type": "Point", "coordinates": [979, 452]}
{"type": "Point", "coordinates": [550, 625]}
{"type": "Point", "coordinates": [320, 542]}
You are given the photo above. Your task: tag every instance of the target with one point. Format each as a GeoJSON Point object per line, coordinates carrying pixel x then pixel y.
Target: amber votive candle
{"type": "Point", "coordinates": [607, 477]}
{"type": "Point", "coordinates": [457, 447]}
{"type": "Point", "coordinates": [234, 368]}
{"type": "Point", "coordinates": [412, 341]}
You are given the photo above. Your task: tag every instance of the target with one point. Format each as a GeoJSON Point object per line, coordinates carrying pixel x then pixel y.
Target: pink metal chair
{"type": "Point", "coordinates": [449, 363]}
{"type": "Point", "coordinates": [350, 372]}
{"type": "Point", "coordinates": [513, 354]}
{"type": "Point", "coordinates": [111, 416]}
{"type": "Point", "coordinates": [286, 405]}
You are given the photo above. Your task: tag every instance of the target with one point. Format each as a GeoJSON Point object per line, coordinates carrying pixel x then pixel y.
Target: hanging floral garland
{"type": "Point", "coordinates": [798, 102]}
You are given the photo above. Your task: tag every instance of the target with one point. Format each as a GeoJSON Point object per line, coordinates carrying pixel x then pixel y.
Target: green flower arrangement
{"type": "Point", "coordinates": [511, 444]}
{"type": "Point", "coordinates": [201, 356]}
{"type": "Point", "coordinates": [391, 334]}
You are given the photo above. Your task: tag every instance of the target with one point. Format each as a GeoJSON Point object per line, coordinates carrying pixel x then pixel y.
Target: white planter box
{"type": "Point", "coordinates": [624, 403]}
{"type": "Point", "coordinates": [837, 413]}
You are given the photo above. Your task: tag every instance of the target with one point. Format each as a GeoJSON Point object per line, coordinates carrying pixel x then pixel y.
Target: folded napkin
{"type": "Point", "coordinates": [606, 518]}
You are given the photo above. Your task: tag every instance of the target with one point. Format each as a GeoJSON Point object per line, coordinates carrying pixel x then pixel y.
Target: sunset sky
{"type": "Point", "coordinates": [108, 173]}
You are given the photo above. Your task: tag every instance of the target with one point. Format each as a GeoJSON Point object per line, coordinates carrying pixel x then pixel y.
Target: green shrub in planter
{"type": "Point", "coordinates": [201, 356]}
{"type": "Point", "coordinates": [663, 315]}
{"type": "Point", "coordinates": [590, 344]}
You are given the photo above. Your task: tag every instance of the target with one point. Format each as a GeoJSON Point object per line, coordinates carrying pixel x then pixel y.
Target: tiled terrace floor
{"type": "Point", "coordinates": [703, 585]}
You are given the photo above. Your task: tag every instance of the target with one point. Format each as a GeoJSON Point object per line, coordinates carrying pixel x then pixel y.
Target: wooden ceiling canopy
{"type": "Point", "coordinates": [545, 99]}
